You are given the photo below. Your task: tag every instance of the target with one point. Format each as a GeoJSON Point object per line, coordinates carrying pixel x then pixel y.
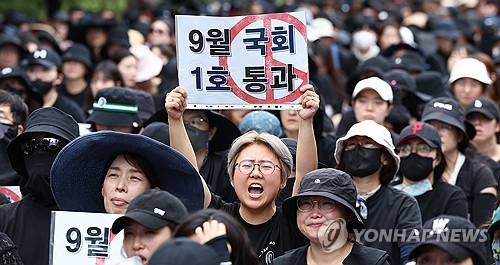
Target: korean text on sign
{"type": "Point", "coordinates": [242, 62]}
{"type": "Point", "coordinates": [84, 238]}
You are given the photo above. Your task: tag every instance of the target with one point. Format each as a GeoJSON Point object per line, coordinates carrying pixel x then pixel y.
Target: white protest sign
{"type": "Point", "coordinates": [256, 61]}
{"type": "Point", "coordinates": [78, 238]}
{"type": "Point", "coordinates": [13, 193]}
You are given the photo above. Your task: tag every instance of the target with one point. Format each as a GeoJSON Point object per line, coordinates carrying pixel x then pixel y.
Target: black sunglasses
{"type": "Point", "coordinates": [49, 145]}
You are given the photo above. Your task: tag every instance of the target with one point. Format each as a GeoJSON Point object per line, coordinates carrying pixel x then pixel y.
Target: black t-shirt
{"type": "Point", "coordinates": [214, 171]}
{"type": "Point", "coordinates": [360, 255]}
{"type": "Point", "coordinates": [82, 99]}
{"type": "Point", "coordinates": [27, 223]}
{"type": "Point", "coordinates": [390, 208]}
{"type": "Point", "coordinates": [270, 239]}
{"type": "Point", "coordinates": [70, 107]}
{"type": "Point", "coordinates": [472, 178]}
{"type": "Point", "coordinates": [444, 198]}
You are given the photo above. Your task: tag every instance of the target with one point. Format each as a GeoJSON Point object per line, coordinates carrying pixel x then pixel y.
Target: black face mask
{"type": "Point", "coordinates": [361, 162]}
{"type": "Point", "coordinates": [38, 168]}
{"type": "Point", "coordinates": [198, 138]}
{"type": "Point", "coordinates": [41, 87]}
{"type": "Point", "coordinates": [8, 132]}
{"type": "Point", "coordinates": [415, 167]}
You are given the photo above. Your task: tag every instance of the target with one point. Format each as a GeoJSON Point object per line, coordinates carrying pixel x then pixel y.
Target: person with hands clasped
{"type": "Point", "coordinates": [258, 165]}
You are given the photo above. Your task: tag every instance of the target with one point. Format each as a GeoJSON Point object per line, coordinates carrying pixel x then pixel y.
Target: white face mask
{"type": "Point", "coordinates": [363, 39]}
{"type": "Point", "coordinates": [495, 52]}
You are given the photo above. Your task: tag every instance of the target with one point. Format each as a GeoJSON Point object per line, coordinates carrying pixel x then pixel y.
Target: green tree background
{"type": "Point", "coordinates": [39, 7]}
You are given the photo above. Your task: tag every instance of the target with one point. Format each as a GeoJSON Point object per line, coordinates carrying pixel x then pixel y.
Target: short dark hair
{"type": "Point", "coordinates": [18, 108]}
{"type": "Point", "coordinates": [242, 251]}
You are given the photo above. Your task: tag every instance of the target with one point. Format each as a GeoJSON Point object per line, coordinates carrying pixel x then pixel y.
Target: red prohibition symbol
{"type": "Point", "coordinates": [269, 60]}
{"type": "Point", "coordinates": [9, 193]}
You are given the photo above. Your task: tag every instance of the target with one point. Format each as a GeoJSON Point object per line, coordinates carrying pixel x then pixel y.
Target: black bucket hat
{"type": "Point", "coordinates": [12, 39]}
{"type": "Point", "coordinates": [80, 53]}
{"type": "Point", "coordinates": [43, 120]}
{"type": "Point", "coordinates": [115, 106]}
{"type": "Point", "coordinates": [329, 183]}
{"type": "Point", "coordinates": [78, 170]}
{"type": "Point", "coordinates": [448, 111]}
{"type": "Point", "coordinates": [153, 209]}
{"type": "Point", "coordinates": [227, 131]}
{"type": "Point", "coordinates": [429, 85]}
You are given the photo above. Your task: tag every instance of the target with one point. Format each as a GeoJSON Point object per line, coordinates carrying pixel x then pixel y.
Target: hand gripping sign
{"type": "Point", "coordinates": [243, 62]}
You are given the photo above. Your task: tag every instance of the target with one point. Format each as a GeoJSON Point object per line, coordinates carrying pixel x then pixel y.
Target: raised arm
{"type": "Point", "coordinates": [175, 104]}
{"type": "Point", "coordinates": [307, 155]}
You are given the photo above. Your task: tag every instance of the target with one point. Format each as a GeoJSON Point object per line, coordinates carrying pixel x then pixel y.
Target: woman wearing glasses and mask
{"type": "Point", "coordinates": [259, 165]}
{"type": "Point", "coordinates": [367, 154]}
{"type": "Point", "coordinates": [325, 212]}
{"type": "Point", "coordinates": [422, 165]}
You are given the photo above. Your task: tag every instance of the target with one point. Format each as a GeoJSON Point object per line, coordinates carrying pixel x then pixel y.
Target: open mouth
{"type": "Point", "coordinates": [255, 189]}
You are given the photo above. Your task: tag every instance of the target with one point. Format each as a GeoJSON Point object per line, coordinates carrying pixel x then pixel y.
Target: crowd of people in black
{"type": "Point", "coordinates": [398, 131]}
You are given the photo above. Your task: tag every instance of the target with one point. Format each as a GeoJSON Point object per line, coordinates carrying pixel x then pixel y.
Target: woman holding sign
{"type": "Point", "coordinates": [259, 165]}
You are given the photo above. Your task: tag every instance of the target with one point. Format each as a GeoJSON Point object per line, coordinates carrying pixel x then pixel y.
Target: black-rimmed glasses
{"type": "Point", "coordinates": [305, 204]}
{"type": "Point", "coordinates": [265, 167]}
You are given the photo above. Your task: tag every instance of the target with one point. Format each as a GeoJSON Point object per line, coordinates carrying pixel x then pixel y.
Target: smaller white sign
{"type": "Point", "coordinates": [79, 238]}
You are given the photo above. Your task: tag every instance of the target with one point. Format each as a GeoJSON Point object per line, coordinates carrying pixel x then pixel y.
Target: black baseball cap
{"type": "Point", "coordinates": [153, 209]}
{"type": "Point", "coordinates": [400, 80]}
{"type": "Point", "coordinates": [183, 250]}
{"type": "Point", "coordinates": [485, 106]}
{"type": "Point", "coordinates": [458, 243]}
{"type": "Point", "coordinates": [17, 73]}
{"type": "Point", "coordinates": [329, 183]}
{"type": "Point", "coordinates": [45, 57]}
{"type": "Point", "coordinates": [424, 131]}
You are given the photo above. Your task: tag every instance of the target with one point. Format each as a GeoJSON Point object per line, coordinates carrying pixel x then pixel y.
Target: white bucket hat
{"type": "Point", "coordinates": [370, 129]}
{"type": "Point", "coordinates": [471, 68]}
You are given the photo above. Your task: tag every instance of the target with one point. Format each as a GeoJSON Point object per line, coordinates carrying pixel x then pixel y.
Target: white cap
{"type": "Point", "coordinates": [323, 27]}
{"type": "Point", "coordinates": [373, 130]}
{"type": "Point", "coordinates": [470, 68]}
{"type": "Point", "coordinates": [380, 86]}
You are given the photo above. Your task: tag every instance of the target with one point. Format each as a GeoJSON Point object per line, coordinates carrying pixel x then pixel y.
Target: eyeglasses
{"type": "Point", "coordinates": [305, 205]}
{"type": "Point", "coordinates": [363, 142]}
{"type": "Point", "coordinates": [265, 167]}
{"type": "Point", "coordinates": [420, 149]}
{"type": "Point", "coordinates": [49, 145]}
{"type": "Point", "coordinates": [198, 122]}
